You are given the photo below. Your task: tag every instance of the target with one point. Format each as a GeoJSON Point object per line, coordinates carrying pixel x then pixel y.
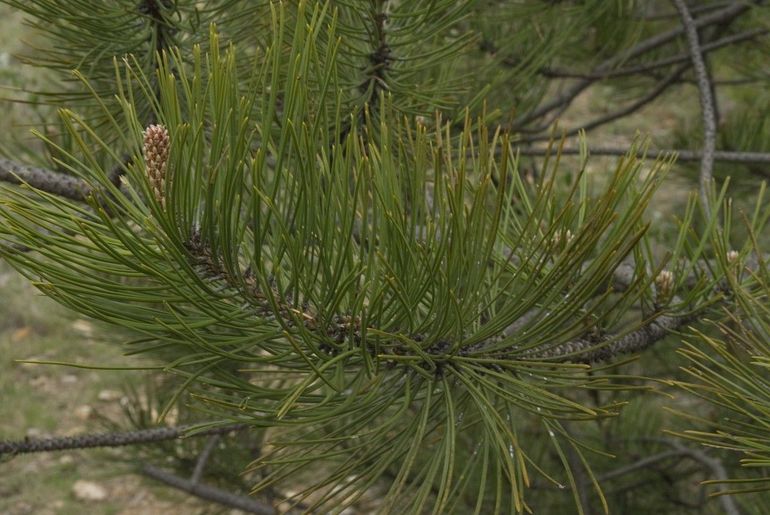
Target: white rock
{"type": "Point", "coordinates": [109, 395]}
{"type": "Point", "coordinates": [84, 327]}
{"type": "Point", "coordinates": [83, 412]}
{"type": "Point", "coordinates": [34, 432]}
{"type": "Point", "coordinates": [89, 491]}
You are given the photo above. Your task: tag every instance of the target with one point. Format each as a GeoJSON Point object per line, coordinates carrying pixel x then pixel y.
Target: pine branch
{"type": "Point", "coordinates": [161, 39]}
{"type": "Point", "coordinates": [376, 76]}
{"type": "Point", "coordinates": [735, 82]}
{"type": "Point", "coordinates": [582, 350]}
{"type": "Point", "coordinates": [193, 298]}
{"type": "Point", "coordinates": [597, 350]}
{"type": "Point", "coordinates": [194, 486]}
{"type": "Point", "coordinates": [706, 101]}
{"type": "Point", "coordinates": [379, 59]}
{"type": "Point", "coordinates": [589, 350]}
{"type": "Point", "coordinates": [114, 439]}
{"type": "Point", "coordinates": [206, 263]}
{"type": "Point", "coordinates": [147, 436]}
{"type": "Point", "coordinates": [162, 30]}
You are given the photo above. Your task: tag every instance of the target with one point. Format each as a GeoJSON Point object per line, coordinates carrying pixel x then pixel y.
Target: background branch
{"type": "Point", "coordinates": [706, 103]}
{"type": "Point", "coordinates": [722, 16]}
{"type": "Point", "coordinates": [661, 63]}
{"type": "Point", "coordinates": [208, 492]}
{"type": "Point", "coordinates": [714, 465]}
{"type": "Point", "coordinates": [682, 155]}
{"type": "Point", "coordinates": [203, 458]}
{"type": "Point", "coordinates": [661, 87]}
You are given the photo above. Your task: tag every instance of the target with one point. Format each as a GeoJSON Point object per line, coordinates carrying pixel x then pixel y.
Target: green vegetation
{"type": "Point", "coordinates": [338, 225]}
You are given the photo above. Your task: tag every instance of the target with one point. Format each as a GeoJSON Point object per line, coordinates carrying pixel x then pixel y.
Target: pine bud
{"type": "Point", "coordinates": [734, 264]}
{"type": "Point", "coordinates": [156, 146]}
{"type": "Point", "coordinates": [664, 284]}
{"type": "Point", "coordinates": [561, 239]}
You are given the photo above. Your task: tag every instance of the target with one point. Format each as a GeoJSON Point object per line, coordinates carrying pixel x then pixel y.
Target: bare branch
{"type": "Point", "coordinates": [56, 183]}
{"type": "Point", "coordinates": [662, 86]}
{"type": "Point", "coordinates": [203, 458]}
{"type": "Point", "coordinates": [679, 450]}
{"type": "Point", "coordinates": [114, 439]}
{"type": "Point", "coordinates": [722, 16]}
{"type": "Point", "coordinates": [208, 492]}
{"type": "Point", "coordinates": [706, 101]}
{"type": "Point", "coordinates": [144, 436]}
{"type": "Point", "coordinates": [43, 179]}
{"type": "Point", "coordinates": [713, 464]}
{"type": "Point", "coordinates": [643, 68]}
{"type": "Point", "coordinates": [682, 155]}
{"type": "Point", "coordinates": [639, 464]}
{"type": "Point", "coordinates": [695, 10]}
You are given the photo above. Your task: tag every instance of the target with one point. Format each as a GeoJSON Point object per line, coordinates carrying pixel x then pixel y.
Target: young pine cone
{"type": "Point", "coordinates": [156, 146]}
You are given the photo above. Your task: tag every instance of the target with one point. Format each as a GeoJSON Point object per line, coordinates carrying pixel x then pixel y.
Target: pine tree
{"type": "Point", "coordinates": [317, 218]}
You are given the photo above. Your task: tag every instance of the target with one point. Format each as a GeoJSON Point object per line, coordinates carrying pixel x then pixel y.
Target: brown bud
{"type": "Point", "coordinates": [156, 147]}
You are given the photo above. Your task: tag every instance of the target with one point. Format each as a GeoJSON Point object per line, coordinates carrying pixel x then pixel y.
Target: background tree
{"type": "Point", "coordinates": [320, 223]}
